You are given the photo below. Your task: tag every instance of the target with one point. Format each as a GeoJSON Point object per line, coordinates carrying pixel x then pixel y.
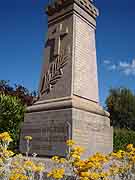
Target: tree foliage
{"type": "Point", "coordinates": [121, 105]}
{"type": "Point", "coordinates": [11, 116]}
{"type": "Point", "coordinates": [19, 91]}
{"type": "Point", "coordinates": [123, 137]}
{"type": "Point", "coordinates": [13, 100]}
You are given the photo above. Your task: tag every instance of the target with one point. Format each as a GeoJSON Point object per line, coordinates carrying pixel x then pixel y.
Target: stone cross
{"type": "Point", "coordinates": [57, 34]}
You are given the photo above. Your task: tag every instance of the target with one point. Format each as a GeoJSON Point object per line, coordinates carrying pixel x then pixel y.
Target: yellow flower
{"type": "Point", "coordinates": [114, 170]}
{"type": "Point", "coordinates": [119, 155]}
{"type": "Point", "coordinates": [55, 158]}
{"type": "Point", "coordinates": [8, 153]}
{"type": "Point", "coordinates": [78, 150]}
{"type": "Point", "coordinates": [79, 164]}
{"type": "Point", "coordinates": [97, 165]}
{"type": "Point", "coordinates": [70, 142]}
{"type": "Point", "coordinates": [5, 137]}
{"type": "Point", "coordinates": [84, 178]}
{"type": "Point", "coordinates": [18, 177]}
{"type": "Point", "coordinates": [29, 165]}
{"type": "Point", "coordinates": [62, 160]}
{"type": "Point", "coordinates": [17, 170]}
{"type": "Point", "coordinates": [90, 165]}
{"type": "Point", "coordinates": [75, 156]}
{"type": "Point", "coordinates": [1, 161]}
{"type": "Point", "coordinates": [56, 173]}
{"type": "Point", "coordinates": [28, 138]}
{"type": "Point", "coordinates": [133, 159]}
{"type": "Point", "coordinates": [94, 176]}
{"type": "Point", "coordinates": [39, 168]}
{"type": "Point", "coordinates": [130, 147]}
{"type": "Point", "coordinates": [99, 158]}
{"type": "Point", "coordinates": [84, 174]}
{"type": "Point", "coordinates": [103, 175]}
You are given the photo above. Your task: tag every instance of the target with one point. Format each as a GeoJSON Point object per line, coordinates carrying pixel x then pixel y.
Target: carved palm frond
{"type": "Point", "coordinates": [54, 73]}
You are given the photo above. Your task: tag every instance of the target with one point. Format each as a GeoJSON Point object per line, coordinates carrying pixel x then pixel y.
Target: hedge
{"type": "Point", "coordinates": [122, 137]}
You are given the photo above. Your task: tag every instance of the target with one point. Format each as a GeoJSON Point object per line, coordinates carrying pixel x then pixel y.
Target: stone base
{"type": "Point", "coordinates": [52, 122]}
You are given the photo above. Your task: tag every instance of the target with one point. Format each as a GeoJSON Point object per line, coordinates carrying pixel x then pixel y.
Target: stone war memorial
{"type": "Point", "coordinates": [68, 105]}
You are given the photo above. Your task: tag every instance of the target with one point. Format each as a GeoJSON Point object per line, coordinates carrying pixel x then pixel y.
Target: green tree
{"type": "Point", "coordinates": [11, 116]}
{"type": "Point", "coordinates": [27, 98]}
{"type": "Point", "coordinates": [123, 137]}
{"type": "Point", "coordinates": [121, 105]}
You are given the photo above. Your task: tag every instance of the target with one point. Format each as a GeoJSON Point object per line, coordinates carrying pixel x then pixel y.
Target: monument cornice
{"type": "Point", "coordinates": [76, 10]}
{"type": "Point", "coordinates": [68, 102]}
{"type": "Point", "coordinates": [85, 5]}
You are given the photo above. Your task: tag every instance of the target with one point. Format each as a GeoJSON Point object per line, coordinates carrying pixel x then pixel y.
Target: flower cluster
{"type": "Point", "coordinates": [119, 164]}
{"type": "Point", "coordinates": [57, 173]}
{"type": "Point", "coordinates": [17, 167]}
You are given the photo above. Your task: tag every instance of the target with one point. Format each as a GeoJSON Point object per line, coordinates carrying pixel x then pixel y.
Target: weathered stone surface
{"type": "Point", "coordinates": [85, 82]}
{"type": "Point", "coordinates": [92, 131]}
{"type": "Point", "coordinates": [71, 30]}
{"type": "Point", "coordinates": [68, 105]}
{"type": "Point", "coordinates": [62, 87]}
{"type": "Point", "coordinates": [49, 130]}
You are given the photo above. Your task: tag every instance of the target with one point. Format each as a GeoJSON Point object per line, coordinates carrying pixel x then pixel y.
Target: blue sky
{"type": "Point", "coordinates": [23, 26]}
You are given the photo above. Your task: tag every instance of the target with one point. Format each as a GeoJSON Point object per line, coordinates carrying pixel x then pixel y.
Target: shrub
{"type": "Point", "coordinates": [122, 137]}
{"type": "Point", "coordinates": [121, 105]}
{"type": "Point", "coordinates": [11, 116]}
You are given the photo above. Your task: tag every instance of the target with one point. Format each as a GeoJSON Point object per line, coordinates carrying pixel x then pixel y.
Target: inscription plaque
{"type": "Point", "coordinates": [53, 133]}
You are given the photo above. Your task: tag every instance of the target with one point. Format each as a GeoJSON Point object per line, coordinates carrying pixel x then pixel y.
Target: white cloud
{"type": "Point", "coordinates": [127, 68]}
{"type": "Point", "coordinates": [133, 63]}
{"type": "Point", "coordinates": [123, 64]}
{"type": "Point", "coordinates": [109, 65]}
{"type": "Point", "coordinates": [112, 67]}
{"type": "Point", "coordinates": [107, 62]}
